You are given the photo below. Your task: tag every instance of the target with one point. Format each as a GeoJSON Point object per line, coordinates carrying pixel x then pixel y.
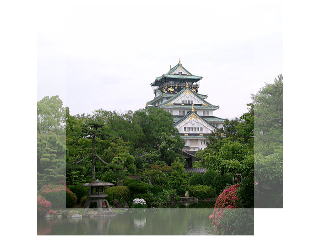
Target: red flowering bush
{"type": "Point", "coordinates": [227, 199]}
{"type": "Point", "coordinates": [59, 195]}
{"type": "Point", "coordinates": [43, 206]}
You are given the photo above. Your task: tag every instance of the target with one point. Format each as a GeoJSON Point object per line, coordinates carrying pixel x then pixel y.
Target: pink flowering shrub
{"type": "Point", "coordinates": [43, 206]}
{"type": "Point", "coordinates": [227, 199]}
{"type": "Point", "coordinates": [59, 195]}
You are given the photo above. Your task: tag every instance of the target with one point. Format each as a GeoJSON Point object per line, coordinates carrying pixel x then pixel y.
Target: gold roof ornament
{"type": "Point", "coordinates": [192, 116]}
{"type": "Point", "coordinates": [192, 108]}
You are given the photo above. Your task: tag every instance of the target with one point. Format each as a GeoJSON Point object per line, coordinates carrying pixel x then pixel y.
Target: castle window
{"type": "Point", "coordinates": [206, 113]}
{"type": "Point", "coordinates": [181, 112]}
{"type": "Point", "coordinates": [189, 102]}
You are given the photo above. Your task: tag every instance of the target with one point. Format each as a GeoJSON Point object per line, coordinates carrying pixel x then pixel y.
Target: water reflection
{"type": "Point", "coordinates": [157, 221]}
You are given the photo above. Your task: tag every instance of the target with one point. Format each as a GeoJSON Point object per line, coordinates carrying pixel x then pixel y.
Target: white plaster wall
{"type": "Point", "coordinates": [175, 112]}
{"type": "Point", "coordinates": [195, 143]}
{"type": "Point", "coordinates": [194, 123]}
{"type": "Point", "coordinates": [185, 96]}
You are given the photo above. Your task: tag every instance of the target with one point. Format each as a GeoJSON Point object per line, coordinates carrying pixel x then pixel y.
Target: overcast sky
{"type": "Point", "coordinates": [97, 55]}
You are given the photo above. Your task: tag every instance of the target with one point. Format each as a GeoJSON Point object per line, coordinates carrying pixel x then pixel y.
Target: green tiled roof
{"type": "Point", "coordinates": [177, 118]}
{"type": "Point", "coordinates": [207, 119]}
{"type": "Point", "coordinates": [213, 119]}
{"type": "Point", "coordinates": [209, 105]}
{"type": "Point", "coordinates": [162, 95]}
{"type": "Point", "coordinates": [178, 76]}
{"type": "Point", "coordinates": [203, 96]}
{"type": "Point", "coordinates": [176, 66]}
{"type": "Point", "coordinates": [173, 76]}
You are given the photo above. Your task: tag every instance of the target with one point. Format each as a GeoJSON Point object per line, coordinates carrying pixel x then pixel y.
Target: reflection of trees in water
{"type": "Point", "coordinates": [137, 221]}
{"type": "Point", "coordinates": [172, 221]}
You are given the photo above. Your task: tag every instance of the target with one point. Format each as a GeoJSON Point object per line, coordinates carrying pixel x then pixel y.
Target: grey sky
{"type": "Point", "coordinates": [97, 55]}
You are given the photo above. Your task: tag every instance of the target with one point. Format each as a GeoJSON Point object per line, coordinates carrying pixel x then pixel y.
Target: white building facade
{"type": "Point", "coordinates": [177, 93]}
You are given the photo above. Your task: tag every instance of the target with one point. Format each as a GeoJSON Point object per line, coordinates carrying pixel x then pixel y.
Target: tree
{"type": "Point", "coordinates": [159, 134]}
{"type": "Point", "coordinates": [51, 115]}
{"type": "Point", "coordinates": [268, 144]}
{"type": "Point", "coordinates": [50, 141]}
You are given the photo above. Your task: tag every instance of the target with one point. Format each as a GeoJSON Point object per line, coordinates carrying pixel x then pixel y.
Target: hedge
{"type": "Point", "coordinates": [201, 191]}
{"type": "Point", "coordinates": [136, 186]}
{"type": "Point", "coordinates": [79, 190]}
{"type": "Point", "coordinates": [120, 193]}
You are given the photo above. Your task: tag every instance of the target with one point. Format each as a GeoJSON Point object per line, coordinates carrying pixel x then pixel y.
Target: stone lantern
{"type": "Point", "coordinates": [97, 196]}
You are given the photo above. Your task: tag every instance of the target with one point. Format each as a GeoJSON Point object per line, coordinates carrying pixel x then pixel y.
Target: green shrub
{"type": "Point", "coordinates": [136, 186]}
{"type": "Point", "coordinates": [196, 179]}
{"type": "Point", "coordinates": [79, 190]}
{"type": "Point", "coordinates": [210, 178]}
{"type": "Point", "coordinates": [71, 199]}
{"type": "Point", "coordinates": [59, 195]}
{"type": "Point", "coordinates": [56, 194]}
{"type": "Point", "coordinates": [83, 200]}
{"type": "Point", "coordinates": [120, 193]}
{"type": "Point", "coordinates": [113, 176]}
{"type": "Point", "coordinates": [201, 191]}
{"type": "Point", "coordinates": [246, 193]}
{"type": "Point", "coordinates": [149, 197]}
{"type": "Point", "coordinates": [155, 189]}
{"type": "Point", "coordinates": [160, 199]}
{"type": "Point", "coordinates": [222, 181]}
{"type": "Point", "coordinates": [128, 180]}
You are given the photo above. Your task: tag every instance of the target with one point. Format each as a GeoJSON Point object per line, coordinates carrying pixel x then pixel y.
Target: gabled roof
{"type": "Point", "coordinates": [203, 96]}
{"type": "Point", "coordinates": [194, 93]}
{"type": "Point", "coordinates": [178, 72]}
{"type": "Point", "coordinates": [189, 115]}
{"type": "Point", "coordinates": [178, 76]}
{"type": "Point", "coordinates": [162, 95]}
{"type": "Point", "coordinates": [213, 119]}
{"type": "Point", "coordinates": [179, 68]}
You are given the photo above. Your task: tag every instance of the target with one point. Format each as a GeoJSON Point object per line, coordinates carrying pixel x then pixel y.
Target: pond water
{"type": "Point", "coordinates": [200, 204]}
{"type": "Point", "coordinates": [150, 221]}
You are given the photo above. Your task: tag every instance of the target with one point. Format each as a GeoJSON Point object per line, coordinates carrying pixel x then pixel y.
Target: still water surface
{"type": "Point", "coordinates": [154, 221]}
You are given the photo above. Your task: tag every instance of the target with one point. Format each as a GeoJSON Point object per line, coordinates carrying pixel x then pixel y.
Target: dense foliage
{"type": "Point", "coordinates": [51, 145]}
{"type": "Point", "coordinates": [141, 153]}
{"type": "Point", "coordinates": [120, 193]}
{"type": "Point", "coordinates": [227, 218]}
{"type": "Point", "coordinates": [201, 191]}
{"type": "Point", "coordinates": [268, 145]}
{"type": "Point", "coordinates": [229, 157]}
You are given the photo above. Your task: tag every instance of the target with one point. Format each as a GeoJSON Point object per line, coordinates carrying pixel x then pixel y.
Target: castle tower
{"type": "Point", "coordinates": [177, 93]}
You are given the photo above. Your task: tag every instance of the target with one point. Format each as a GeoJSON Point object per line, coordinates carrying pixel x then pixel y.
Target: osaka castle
{"type": "Point", "coordinates": [177, 92]}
